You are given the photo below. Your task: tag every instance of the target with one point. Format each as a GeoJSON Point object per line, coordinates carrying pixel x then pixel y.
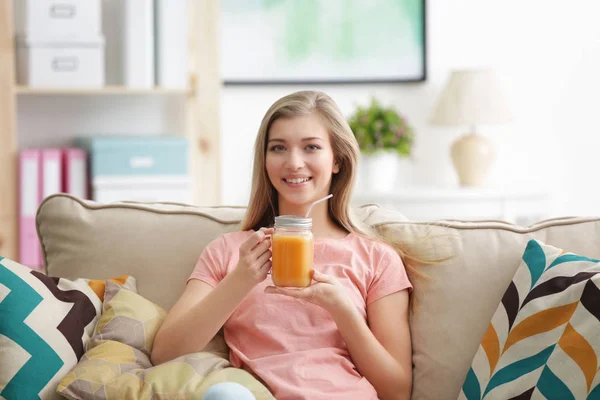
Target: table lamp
{"type": "Point", "coordinates": [471, 98]}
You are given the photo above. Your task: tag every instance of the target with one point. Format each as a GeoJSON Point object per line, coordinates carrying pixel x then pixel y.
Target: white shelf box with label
{"type": "Point", "coordinates": [58, 19]}
{"type": "Point", "coordinates": [43, 63]}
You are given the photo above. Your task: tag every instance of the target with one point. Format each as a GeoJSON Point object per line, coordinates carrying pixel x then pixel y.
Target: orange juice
{"type": "Point", "coordinates": [292, 249]}
{"type": "Point", "coordinates": [292, 260]}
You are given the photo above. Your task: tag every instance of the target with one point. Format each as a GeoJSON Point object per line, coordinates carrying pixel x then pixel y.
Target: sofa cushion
{"type": "Point", "coordinates": [160, 243]}
{"type": "Point", "coordinates": [128, 318]}
{"type": "Point", "coordinates": [45, 324]}
{"type": "Point", "coordinates": [117, 364]}
{"type": "Point", "coordinates": [543, 338]}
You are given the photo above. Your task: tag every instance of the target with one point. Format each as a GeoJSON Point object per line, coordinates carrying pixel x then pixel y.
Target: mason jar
{"type": "Point", "coordinates": [292, 251]}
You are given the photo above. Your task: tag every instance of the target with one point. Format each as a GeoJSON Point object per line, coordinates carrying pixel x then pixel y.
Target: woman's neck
{"type": "Point", "coordinates": [322, 225]}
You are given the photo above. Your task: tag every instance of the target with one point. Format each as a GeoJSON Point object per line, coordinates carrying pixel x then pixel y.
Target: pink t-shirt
{"type": "Point", "coordinates": [293, 346]}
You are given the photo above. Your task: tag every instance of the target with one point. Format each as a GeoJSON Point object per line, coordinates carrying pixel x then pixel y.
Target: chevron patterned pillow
{"type": "Point", "coordinates": [45, 324]}
{"type": "Point", "coordinates": [544, 339]}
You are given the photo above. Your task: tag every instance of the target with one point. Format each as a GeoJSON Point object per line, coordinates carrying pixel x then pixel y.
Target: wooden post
{"type": "Point", "coordinates": [8, 135]}
{"type": "Point", "coordinates": [203, 103]}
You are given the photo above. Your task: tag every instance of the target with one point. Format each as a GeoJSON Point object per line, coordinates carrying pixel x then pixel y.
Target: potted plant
{"type": "Point", "coordinates": [384, 137]}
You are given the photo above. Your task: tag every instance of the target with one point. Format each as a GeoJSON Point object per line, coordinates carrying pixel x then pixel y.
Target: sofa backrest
{"type": "Point", "coordinates": [160, 243]}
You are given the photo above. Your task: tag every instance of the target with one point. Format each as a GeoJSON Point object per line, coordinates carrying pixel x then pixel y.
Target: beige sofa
{"type": "Point", "coordinates": [160, 243]}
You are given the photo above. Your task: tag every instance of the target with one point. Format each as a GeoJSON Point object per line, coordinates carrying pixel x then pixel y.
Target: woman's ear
{"type": "Point", "coordinates": [336, 167]}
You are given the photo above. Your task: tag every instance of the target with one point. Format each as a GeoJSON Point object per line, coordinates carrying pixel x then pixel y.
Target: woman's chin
{"type": "Point", "coordinates": [297, 204]}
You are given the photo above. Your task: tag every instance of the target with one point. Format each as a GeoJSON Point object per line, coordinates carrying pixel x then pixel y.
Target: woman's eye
{"type": "Point", "coordinates": [277, 147]}
{"type": "Point", "coordinates": [312, 147]}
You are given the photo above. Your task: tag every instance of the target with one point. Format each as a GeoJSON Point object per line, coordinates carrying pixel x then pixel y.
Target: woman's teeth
{"type": "Point", "coordinates": [299, 180]}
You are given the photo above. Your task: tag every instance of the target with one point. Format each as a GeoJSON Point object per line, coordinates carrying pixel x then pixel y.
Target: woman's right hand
{"type": "Point", "coordinates": [254, 263]}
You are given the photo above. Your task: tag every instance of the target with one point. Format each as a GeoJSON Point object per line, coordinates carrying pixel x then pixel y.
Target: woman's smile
{"type": "Point", "coordinates": [297, 182]}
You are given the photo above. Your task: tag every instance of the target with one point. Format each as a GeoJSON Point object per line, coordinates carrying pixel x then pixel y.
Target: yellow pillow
{"type": "Point", "coordinates": [117, 363]}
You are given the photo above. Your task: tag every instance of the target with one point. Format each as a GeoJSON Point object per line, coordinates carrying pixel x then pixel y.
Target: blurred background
{"type": "Point", "coordinates": [472, 109]}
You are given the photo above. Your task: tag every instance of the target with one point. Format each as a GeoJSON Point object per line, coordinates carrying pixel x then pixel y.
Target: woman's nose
{"type": "Point", "coordinates": [294, 160]}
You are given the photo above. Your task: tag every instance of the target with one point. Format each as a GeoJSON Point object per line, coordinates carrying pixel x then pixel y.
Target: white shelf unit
{"type": "Point", "coordinates": [429, 204]}
{"type": "Point", "coordinates": [202, 104]}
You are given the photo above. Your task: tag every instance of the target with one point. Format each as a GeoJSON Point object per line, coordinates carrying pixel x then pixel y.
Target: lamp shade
{"type": "Point", "coordinates": [471, 97]}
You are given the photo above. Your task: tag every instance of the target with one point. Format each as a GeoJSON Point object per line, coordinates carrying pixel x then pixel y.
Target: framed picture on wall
{"type": "Point", "coordinates": [322, 41]}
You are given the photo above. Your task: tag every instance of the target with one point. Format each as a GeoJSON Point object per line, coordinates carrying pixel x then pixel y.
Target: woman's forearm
{"type": "Point", "coordinates": [372, 360]}
{"type": "Point", "coordinates": [192, 331]}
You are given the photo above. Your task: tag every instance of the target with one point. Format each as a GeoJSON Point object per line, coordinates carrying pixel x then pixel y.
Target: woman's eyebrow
{"type": "Point", "coordinates": [303, 139]}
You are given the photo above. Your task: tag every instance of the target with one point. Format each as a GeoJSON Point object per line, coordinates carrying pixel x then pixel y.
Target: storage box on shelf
{"type": "Point", "coordinates": [65, 64]}
{"type": "Point", "coordinates": [59, 43]}
{"type": "Point", "coordinates": [139, 169]}
{"type": "Point", "coordinates": [59, 19]}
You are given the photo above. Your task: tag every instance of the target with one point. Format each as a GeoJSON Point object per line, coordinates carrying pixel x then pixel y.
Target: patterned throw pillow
{"type": "Point", "coordinates": [117, 364]}
{"type": "Point", "coordinates": [544, 339]}
{"type": "Point", "coordinates": [45, 324]}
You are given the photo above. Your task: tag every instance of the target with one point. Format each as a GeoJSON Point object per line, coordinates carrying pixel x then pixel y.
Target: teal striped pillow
{"type": "Point", "coordinates": [45, 324]}
{"type": "Point", "coordinates": [544, 339]}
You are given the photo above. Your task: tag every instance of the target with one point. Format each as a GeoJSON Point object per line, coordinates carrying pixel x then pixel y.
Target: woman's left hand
{"type": "Point", "coordinates": [326, 292]}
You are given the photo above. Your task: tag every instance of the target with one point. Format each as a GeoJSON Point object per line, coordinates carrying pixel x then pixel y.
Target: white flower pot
{"type": "Point", "coordinates": [380, 172]}
{"type": "Point", "coordinates": [384, 172]}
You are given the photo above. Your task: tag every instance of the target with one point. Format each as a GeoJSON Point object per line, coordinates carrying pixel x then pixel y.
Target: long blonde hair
{"type": "Point", "coordinates": [263, 205]}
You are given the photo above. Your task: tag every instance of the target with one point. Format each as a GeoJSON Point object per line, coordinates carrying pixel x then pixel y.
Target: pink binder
{"type": "Point", "coordinates": [74, 161]}
{"type": "Point", "coordinates": [29, 198]}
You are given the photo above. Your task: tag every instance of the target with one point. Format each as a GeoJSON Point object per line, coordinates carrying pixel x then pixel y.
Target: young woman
{"type": "Point", "coordinates": [346, 336]}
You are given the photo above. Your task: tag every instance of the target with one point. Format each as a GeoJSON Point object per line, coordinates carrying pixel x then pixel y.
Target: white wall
{"type": "Point", "coordinates": [547, 55]}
